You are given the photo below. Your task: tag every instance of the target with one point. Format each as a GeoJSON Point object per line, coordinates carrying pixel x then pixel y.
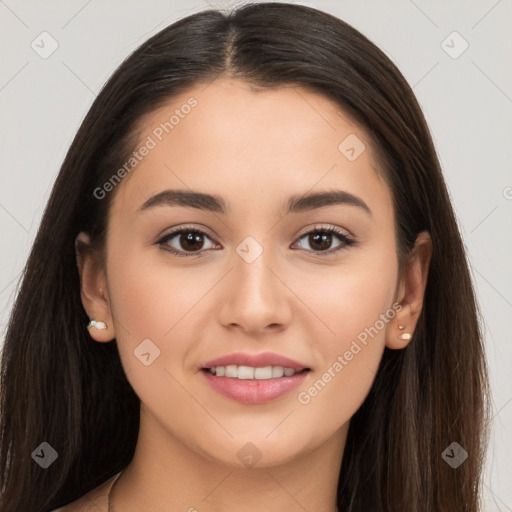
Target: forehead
{"type": "Point", "coordinates": [228, 139]}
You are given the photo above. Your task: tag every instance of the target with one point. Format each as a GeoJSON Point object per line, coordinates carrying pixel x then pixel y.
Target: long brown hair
{"type": "Point", "coordinates": [59, 387]}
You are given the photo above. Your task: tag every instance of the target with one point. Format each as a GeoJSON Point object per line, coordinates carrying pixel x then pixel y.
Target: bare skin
{"type": "Point", "coordinates": [254, 149]}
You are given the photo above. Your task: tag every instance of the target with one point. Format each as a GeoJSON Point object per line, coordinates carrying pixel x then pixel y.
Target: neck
{"type": "Point", "coordinates": [165, 474]}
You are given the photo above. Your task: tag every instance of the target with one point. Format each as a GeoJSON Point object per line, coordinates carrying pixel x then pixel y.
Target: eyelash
{"type": "Point", "coordinates": [346, 239]}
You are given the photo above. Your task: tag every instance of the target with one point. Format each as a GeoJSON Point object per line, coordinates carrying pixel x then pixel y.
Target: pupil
{"type": "Point", "coordinates": [323, 239]}
{"type": "Point", "coordinates": [189, 240]}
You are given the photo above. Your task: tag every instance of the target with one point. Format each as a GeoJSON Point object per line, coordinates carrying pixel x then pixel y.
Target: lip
{"type": "Point", "coordinates": [254, 392]}
{"type": "Point", "coordinates": [255, 360]}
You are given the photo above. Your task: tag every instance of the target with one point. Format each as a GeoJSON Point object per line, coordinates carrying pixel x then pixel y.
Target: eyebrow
{"type": "Point", "coordinates": [214, 203]}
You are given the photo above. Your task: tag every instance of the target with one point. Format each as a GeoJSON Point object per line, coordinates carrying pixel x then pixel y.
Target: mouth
{"type": "Point", "coordinates": [254, 378]}
{"type": "Point", "coordinates": [254, 385]}
{"type": "Point", "coordinates": [241, 372]}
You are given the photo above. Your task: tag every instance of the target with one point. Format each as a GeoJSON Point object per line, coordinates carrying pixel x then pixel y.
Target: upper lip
{"type": "Point", "coordinates": [255, 360]}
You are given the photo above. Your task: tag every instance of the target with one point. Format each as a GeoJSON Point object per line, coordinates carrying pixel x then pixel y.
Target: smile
{"type": "Point", "coordinates": [233, 371]}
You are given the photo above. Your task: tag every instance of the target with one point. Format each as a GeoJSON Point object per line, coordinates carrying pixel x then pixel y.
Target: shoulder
{"type": "Point", "coordinates": [94, 501]}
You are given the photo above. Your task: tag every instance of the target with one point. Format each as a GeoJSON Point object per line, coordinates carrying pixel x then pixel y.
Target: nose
{"type": "Point", "coordinates": [255, 298]}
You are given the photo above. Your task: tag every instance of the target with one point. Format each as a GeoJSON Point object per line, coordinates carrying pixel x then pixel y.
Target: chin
{"type": "Point", "coordinates": [252, 451]}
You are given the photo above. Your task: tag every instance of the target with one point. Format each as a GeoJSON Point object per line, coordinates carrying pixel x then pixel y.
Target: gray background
{"type": "Point", "coordinates": [467, 102]}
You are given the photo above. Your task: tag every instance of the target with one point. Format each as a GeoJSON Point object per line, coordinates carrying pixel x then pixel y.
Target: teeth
{"type": "Point", "coordinates": [245, 372]}
{"type": "Point", "coordinates": [277, 371]}
{"type": "Point", "coordinates": [263, 373]}
{"type": "Point", "coordinates": [249, 373]}
{"type": "Point", "coordinates": [230, 371]}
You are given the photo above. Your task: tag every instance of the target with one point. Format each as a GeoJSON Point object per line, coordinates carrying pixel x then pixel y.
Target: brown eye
{"type": "Point", "coordinates": [185, 242]}
{"type": "Point", "coordinates": [191, 241]}
{"type": "Point", "coordinates": [321, 239]}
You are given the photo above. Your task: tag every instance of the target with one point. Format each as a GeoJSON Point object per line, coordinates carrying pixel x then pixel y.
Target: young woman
{"type": "Point", "coordinates": [248, 290]}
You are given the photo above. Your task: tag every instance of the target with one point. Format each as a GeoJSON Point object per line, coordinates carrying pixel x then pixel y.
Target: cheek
{"type": "Point", "coordinates": [352, 296]}
{"type": "Point", "coordinates": [151, 314]}
{"type": "Point", "coordinates": [150, 297]}
{"type": "Point", "coordinates": [355, 302]}
{"type": "Point", "coordinates": [152, 300]}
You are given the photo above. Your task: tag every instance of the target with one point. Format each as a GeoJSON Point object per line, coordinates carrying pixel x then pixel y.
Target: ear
{"type": "Point", "coordinates": [410, 294]}
{"type": "Point", "coordinates": [93, 288]}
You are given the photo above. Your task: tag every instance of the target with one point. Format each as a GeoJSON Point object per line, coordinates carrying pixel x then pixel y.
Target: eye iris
{"type": "Point", "coordinates": [324, 240]}
{"type": "Point", "coordinates": [189, 239]}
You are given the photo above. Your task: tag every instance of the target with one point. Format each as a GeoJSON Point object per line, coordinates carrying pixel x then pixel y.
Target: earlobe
{"type": "Point", "coordinates": [405, 336]}
{"type": "Point", "coordinates": [400, 332]}
{"type": "Point", "coordinates": [411, 294]}
{"type": "Point", "coordinates": [92, 284]}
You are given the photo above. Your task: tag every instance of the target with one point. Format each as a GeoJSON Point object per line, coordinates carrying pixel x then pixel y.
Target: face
{"type": "Point", "coordinates": [314, 283]}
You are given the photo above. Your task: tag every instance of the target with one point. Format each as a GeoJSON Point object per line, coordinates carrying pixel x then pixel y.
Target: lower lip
{"type": "Point", "coordinates": [254, 392]}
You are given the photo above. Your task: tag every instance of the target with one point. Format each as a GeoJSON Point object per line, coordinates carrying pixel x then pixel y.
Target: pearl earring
{"type": "Point", "coordinates": [98, 325]}
{"type": "Point", "coordinates": [404, 336]}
